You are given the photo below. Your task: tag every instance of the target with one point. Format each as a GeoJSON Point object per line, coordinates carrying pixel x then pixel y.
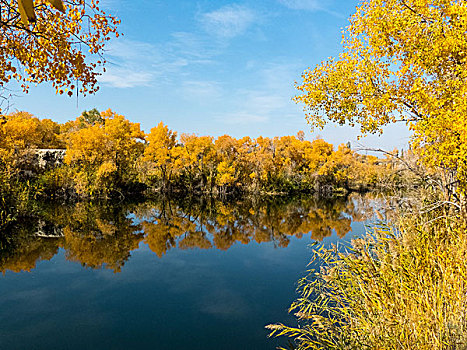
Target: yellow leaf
{"type": "Point", "coordinates": [58, 4]}
{"type": "Point", "coordinates": [26, 10]}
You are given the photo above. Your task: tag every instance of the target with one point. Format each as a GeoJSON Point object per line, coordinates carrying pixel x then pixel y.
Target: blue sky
{"type": "Point", "coordinates": [214, 67]}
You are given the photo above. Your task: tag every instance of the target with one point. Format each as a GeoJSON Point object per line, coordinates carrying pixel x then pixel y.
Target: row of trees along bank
{"type": "Point", "coordinates": [106, 154]}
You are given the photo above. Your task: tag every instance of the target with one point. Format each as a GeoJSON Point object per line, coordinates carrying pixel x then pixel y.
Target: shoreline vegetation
{"type": "Point", "coordinates": [404, 285]}
{"type": "Point", "coordinates": [105, 156]}
{"type": "Point", "coordinates": [401, 286]}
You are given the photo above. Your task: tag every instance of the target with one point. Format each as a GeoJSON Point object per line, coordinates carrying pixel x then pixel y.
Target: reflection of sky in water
{"type": "Point", "coordinates": [188, 299]}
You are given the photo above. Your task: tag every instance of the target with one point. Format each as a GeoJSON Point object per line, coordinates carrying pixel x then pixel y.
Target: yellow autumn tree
{"type": "Point", "coordinates": [402, 61]}
{"type": "Point", "coordinates": [262, 158]}
{"type": "Point", "coordinates": [21, 133]}
{"type": "Point", "coordinates": [289, 159]}
{"type": "Point", "coordinates": [18, 132]}
{"type": "Point", "coordinates": [53, 41]}
{"type": "Point", "coordinates": [198, 158]}
{"type": "Point", "coordinates": [104, 155]}
{"type": "Point", "coordinates": [227, 153]}
{"type": "Point", "coordinates": [160, 151]}
{"type": "Point", "coordinates": [340, 166]}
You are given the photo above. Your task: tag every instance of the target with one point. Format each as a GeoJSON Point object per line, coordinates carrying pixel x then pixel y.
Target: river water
{"type": "Point", "coordinates": [162, 274]}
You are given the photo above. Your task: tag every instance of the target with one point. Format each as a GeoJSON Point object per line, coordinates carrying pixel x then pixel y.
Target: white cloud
{"type": "Point", "coordinates": [268, 99]}
{"type": "Point", "coordinates": [192, 47]}
{"type": "Point", "coordinates": [311, 5]}
{"type": "Point", "coordinates": [128, 50]}
{"type": "Point", "coordinates": [133, 63]}
{"type": "Point", "coordinates": [124, 78]}
{"type": "Point", "coordinates": [241, 118]}
{"type": "Point", "coordinates": [267, 102]}
{"type": "Point", "coordinates": [127, 64]}
{"type": "Point", "coordinates": [229, 21]}
{"type": "Point", "coordinates": [202, 91]}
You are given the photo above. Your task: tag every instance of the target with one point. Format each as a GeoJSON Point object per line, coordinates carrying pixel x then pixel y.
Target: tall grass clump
{"type": "Point", "coordinates": [400, 287]}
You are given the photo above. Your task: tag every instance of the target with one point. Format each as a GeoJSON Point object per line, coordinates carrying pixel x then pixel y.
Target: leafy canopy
{"type": "Point", "coordinates": [103, 155]}
{"type": "Point", "coordinates": [402, 61]}
{"type": "Point", "coordinates": [42, 43]}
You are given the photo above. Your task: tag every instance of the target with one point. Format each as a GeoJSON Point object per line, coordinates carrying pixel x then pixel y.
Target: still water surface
{"type": "Point", "coordinates": [165, 274]}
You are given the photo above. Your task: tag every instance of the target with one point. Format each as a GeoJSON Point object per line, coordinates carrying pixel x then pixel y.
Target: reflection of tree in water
{"type": "Point", "coordinates": [202, 224]}
{"type": "Point", "coordinates": [21, 250]}
{"type": "Point", "coordinates": [100, 236]}
{"type": "Point", "coordinates": [103, 236]}
{"type": "Point", "coordinates": [96, 236]}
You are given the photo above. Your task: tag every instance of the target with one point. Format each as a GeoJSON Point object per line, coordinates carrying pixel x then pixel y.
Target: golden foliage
{"type": "Point", "coordinates": [160, 150]}
{"type": "Point", "coordinates": [280, 164]}
{"type": "Point", "coordinates": [402, 61]}
{"type": "Point", "coordinates": [50, 44]}
{"type": "Point", "coordinates": [20, 134]}
{"type": "Point", "coordinates": [104, 155]}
